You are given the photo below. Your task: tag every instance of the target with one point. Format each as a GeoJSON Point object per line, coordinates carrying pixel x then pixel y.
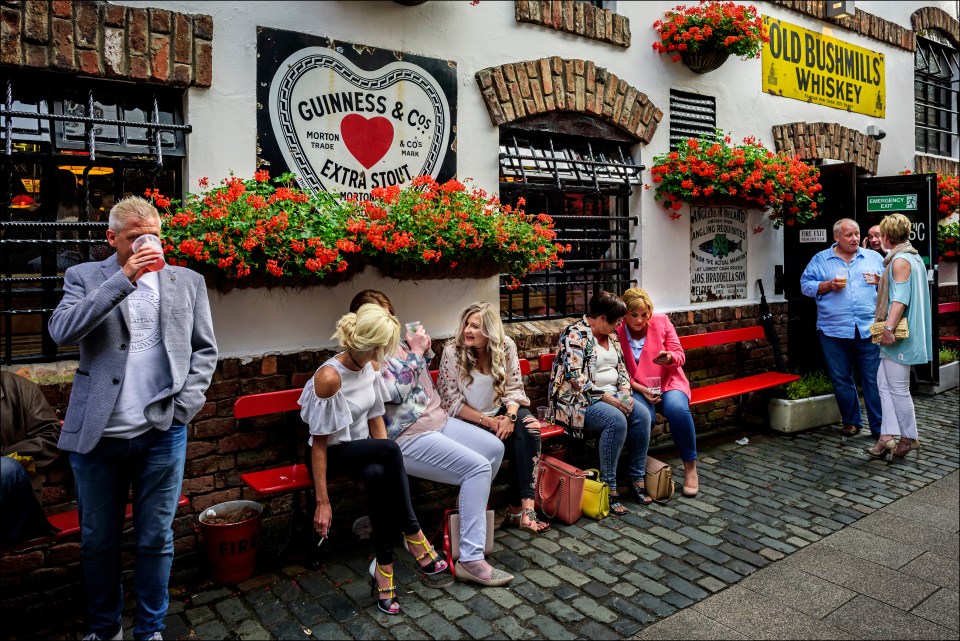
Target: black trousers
{"type": "Point", "coordinates": [522, 449]}
{"type": "Point", "coordinates": [379, 464]}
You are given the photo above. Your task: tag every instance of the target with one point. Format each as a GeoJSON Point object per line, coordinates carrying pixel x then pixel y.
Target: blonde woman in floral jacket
{"type": "Point", "coordinates": [480, 382]}
{"type": "Point", "coordinates": [589, 379]}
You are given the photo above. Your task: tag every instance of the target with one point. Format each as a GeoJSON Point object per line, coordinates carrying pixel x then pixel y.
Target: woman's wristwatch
{"type": "Point", "coordinates": [512, 416]}
{"type": "Point", "coordinates": [889, 329]}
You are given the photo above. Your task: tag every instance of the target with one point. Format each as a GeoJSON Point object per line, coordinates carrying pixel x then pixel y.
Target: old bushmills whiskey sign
{"type": "Point", "coordinates": [347, 118]}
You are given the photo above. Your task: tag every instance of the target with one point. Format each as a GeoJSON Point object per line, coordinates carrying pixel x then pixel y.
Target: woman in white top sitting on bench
{"type": "Point", "coordinates": [343, 404]}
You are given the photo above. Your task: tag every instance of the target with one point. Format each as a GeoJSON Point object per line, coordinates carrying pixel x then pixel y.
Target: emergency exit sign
{"type": "Point", "coordinates": [902, 202]}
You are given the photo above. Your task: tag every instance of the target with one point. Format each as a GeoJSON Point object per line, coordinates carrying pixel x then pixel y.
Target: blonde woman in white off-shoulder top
{"type": "Point", "coordinates": [343, 406]}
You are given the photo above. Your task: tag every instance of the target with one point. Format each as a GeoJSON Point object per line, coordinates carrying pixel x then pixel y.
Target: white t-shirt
{"type": "Point", "coordinates": [479, 394]}
{"type": "Point", "coordinates": [605, 374]}
{"type": "Point", "coordinates": [148, 368]}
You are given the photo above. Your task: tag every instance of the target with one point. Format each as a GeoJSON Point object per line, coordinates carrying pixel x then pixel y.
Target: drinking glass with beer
{"type": "Point", "coordinates": [842, 275]}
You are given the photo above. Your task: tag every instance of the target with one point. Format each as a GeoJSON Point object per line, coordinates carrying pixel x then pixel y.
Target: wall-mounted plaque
{"type": "Point", "coordinates": [718, 254]}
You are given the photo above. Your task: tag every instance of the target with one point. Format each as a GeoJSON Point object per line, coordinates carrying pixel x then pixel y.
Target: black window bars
{"type": "Point", "coordinates": [937, 97]}
{"type": "Point", "coordinates": [585, 187]}
{"type": "Point", "coordinates": [58, 133]}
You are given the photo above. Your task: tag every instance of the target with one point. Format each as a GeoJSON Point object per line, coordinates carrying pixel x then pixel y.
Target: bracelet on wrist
{"type": "Point", "coordinates": [889, 329]}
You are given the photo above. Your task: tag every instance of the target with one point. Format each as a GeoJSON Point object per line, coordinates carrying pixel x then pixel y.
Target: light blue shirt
{"type": "Point", "coordinates": [854, 306]}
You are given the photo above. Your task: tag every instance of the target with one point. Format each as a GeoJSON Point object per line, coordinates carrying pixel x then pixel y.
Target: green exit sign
{"type": "Point", "coordinates": [901, 202]}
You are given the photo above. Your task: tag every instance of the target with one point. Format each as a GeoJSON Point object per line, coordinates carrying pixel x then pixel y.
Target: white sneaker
{"type": "Point", "coordinates": [93, 636]}
{"type": "Point", "coordinates": [156, 636]}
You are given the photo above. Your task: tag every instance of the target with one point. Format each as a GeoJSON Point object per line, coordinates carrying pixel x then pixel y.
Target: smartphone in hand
{"type": "Point", "coordinates": [662, 358]}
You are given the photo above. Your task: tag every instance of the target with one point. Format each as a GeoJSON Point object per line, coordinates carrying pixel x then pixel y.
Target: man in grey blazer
{"type": "Point", "coordinates": [147, 354]}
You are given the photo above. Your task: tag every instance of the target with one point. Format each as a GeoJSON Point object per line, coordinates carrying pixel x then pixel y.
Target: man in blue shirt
{"type": "Point", "coordinates": [846, 303]}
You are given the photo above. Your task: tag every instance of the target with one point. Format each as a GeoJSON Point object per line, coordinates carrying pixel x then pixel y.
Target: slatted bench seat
{"type": "Point", "coordinates": [738, 386]}
{"type": "Point", "coordinates": [69, 524]}
{"type": "Point", "coordinates": [727, 389]}
{"type": "Point", "coordinates": [949, 308]}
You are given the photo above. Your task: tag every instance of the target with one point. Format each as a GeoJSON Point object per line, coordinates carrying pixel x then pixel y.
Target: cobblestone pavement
{"type": "Point", "coordinates": [758, 504]}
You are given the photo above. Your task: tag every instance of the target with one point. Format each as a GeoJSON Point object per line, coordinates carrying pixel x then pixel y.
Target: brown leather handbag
{"type": "Point", "coordinates": [658, 480]}
{"type": "Point", "coordinates": [559, 490]}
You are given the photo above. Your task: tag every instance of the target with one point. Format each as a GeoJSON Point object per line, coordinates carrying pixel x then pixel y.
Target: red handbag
{"type": "Point", "coordinates": [559, 490]}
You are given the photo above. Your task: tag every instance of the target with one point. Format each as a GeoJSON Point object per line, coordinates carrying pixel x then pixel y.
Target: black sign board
{"type": "Point", "coordinates": [348, 118]}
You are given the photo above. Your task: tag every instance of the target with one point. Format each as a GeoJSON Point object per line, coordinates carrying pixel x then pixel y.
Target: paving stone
{"type": "Point", "coordinates": [450, 609]}
{"type": "Point", "coordinates": [677, 600]}
{"type": "Point", "coordinates": [718, 571]}
{"type": "Point", "coordinates": [542, 578]}
{"type": "Point", "coordinates": [941, 608]}
{"type": "Point", "coordinates": [593, 609]}
{"type": "Point", "coordinates": [232, 610]}
{"type": "Point", "coordinates": [864, 617]}
{"type": "Point", "coordinates": [365, 629]}
{"type": "Point", "coordinates": [405, 632]}
{"type": "Point", "coordinates": [627, 608]}
{"type": "Point", "coordinates": [437, 627]}
{"type": "Point", "coordinates": [646, 584]}
{"type": "Point", "coordinates": [550, 629]}
{"type": "Point", "coordinates": [594, 630]}
{"type": "Point", "coordinates": [668, 535]}
{"type": "Point", "coordinates": [780, 546]}
{"type": "Point", "coordinates": [538, 558]}
{"type": "Point", "coordinates": [681, 569]}
{"type": "Point", "coordinates": [565, 592]}
{"type": "Point", "coordinates": [208, 596]}
{"type": "Point", "coordinates": [176, 627]}
{"type": "Point", "coordinates": [339, 608]}
{"type": "Point", "coordinates": [711, 584]}
{"type": "Point", "coordinates": [602, 575]}
{"type": "Point", "coordinates": [563, 612]}
{"type": "Point", "coordinates": [480, 604]}
{"type": "Point", "coordinates": [502, 597]}
{"type": "Point", "coordinates": [530, 593]}
{"type": "Point", "coordinates": [213, 630]}
{"type": "Point", "coordinates": [546, 545]}
{"type": "Point", "coordinates": [569, 575]}
{"type": "Point", "coordinates": [596, 590]}
{"type": "Point", "coordinates": [476, 627]}
{"type": "Point", "coordinates": [798, 590]}
{"type": "Point", "coordinates": [414, 607]}
{"type": "Point", "coordinates": [248, 630]}
{"type": "Point", "coordinates": [699, 535]}
{"type": "Point", "coordinates": [512, 628]}
{"type": "Point", "coordinates": [196, 616]}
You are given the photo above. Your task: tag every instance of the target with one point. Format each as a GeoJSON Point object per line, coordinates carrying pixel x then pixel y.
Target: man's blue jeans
{"type": "Point", "coordinates": [153, 464]}
{"type": "Point", "coordinates": [840, 355]}
{"type": "Point", "coordinates": [676, 407]}
{"type": "Point", "coordinates": [20, 513]}
{"type": "Point", "coordinates": [615, 430]}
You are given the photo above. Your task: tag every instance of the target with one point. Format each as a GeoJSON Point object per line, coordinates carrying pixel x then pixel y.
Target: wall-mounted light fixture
{"type": "Point", "coordinates": [841, 8]}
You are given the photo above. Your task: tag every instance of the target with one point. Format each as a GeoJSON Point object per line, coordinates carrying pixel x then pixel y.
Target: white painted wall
{"type": "Point", "coordinates": [476, 37]}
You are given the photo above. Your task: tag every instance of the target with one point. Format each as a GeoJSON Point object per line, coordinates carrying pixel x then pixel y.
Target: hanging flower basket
{"type": "Point", "coordinates": [704, 60]}
{"type": "Point", "coordinates": [704, 35]}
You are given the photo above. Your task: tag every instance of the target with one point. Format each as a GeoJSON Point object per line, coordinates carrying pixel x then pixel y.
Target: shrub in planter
{"type": "Point", "coordinates": [806, 404]}
{"type": "Point", "coordinates": [948, 355]}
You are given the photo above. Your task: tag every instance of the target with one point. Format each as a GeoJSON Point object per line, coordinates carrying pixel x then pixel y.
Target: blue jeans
{"type": "Point", "coordinates": [153, 464]}
{"type": "Point", "coordinates": [21, 516]}
{"type": "Point", "coordinates": [840, 355]}
{"type": "Point", "coordinates": [676, 407]}
{"type": "Point", "coordinates": [615, 430]}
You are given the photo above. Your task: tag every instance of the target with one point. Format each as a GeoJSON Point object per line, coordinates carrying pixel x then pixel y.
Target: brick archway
{"type": "Point", "coordinates": [519, 89]}
{"type": "Point", "coordinates": [935, 18]}
{"type": "Point", "coordinates": [828, 140]}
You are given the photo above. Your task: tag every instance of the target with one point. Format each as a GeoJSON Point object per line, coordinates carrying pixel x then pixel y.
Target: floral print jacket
{"type": "Point", "coordinates": [571, 382]}
{"type": "Point", "coordinates": [408, 395]}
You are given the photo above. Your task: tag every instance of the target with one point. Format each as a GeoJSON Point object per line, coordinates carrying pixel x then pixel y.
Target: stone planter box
{"type": "Point", "coordinates": [949, 379]}
{"type": "Point", "coordinates": [795, 416]}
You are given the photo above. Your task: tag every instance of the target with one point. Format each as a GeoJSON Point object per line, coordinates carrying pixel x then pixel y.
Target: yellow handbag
{"type": "Point", "coordinates": [596, 496]}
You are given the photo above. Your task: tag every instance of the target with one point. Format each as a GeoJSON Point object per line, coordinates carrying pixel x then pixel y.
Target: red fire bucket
{"type": "Point", "coordinates": [231, 531]}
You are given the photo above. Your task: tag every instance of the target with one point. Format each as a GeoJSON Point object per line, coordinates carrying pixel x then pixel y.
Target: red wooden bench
{"type": "Point", "coordinates": [949, 308]}
{"type": "Point", "coordinates": [296, 477]}
{"type": "Point", "coordinates": [69, 524]}
{"type": "Point", "coordinates": [727, 389]}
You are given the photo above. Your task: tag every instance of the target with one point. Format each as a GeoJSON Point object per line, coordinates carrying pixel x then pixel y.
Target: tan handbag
{"type": "Point", "coordinates": [451, 534]}
{"type": "Point", "coordinates": [659, 480]}
{"type": "Point", "coordinates": [900, 332]}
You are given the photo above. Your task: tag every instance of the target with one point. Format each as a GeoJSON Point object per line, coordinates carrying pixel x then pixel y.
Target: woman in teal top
{"type": "Point", "coordinates": [902, 293]}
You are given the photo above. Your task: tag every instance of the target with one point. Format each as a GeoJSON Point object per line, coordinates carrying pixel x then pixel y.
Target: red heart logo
{"type": "Point", "coordinates": [368, 140]}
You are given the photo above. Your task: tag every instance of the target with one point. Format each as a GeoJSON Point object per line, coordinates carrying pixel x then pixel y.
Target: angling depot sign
{"type": "Point", "coordinates": [805, 65]}
{"type": "Point", "coordinates": [349, 118]}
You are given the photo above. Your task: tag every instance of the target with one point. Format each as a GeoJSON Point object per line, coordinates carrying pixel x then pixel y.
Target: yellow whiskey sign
{"type": "Point", "coordinates": [809, 66]}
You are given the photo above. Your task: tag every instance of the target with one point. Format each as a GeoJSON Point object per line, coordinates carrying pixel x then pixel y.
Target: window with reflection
{"type": "Point", "coordinates": [59, 187]}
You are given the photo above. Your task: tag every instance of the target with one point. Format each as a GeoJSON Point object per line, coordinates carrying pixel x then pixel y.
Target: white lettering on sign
{"type": "Point", "coordinates": [813, 235]}
{"type": "Point", "coordinates": [346, 130]}
{"type": "Point", "coordinates": [918, 231]}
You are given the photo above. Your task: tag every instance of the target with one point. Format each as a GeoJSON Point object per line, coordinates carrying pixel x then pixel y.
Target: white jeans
{"type": "Point", "coordinates": [899, 417]}
{"type": "Point", "coordinates": [465, 455]}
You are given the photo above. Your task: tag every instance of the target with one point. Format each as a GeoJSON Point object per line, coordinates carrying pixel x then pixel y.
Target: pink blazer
{"type": "Point", "coordinates": [660, 336]}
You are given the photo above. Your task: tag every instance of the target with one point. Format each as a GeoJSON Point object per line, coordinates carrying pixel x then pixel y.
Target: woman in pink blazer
{"type": "Point", "coordinates": [651, 348]}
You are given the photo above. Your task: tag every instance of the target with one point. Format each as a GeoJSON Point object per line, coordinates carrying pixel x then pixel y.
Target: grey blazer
{"type": "Point", "coordinates": [93, 314]}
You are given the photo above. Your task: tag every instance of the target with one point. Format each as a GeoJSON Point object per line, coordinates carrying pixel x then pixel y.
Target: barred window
{"type": "Point", "coordinates": [691, 116]}
{"type": "Point", "coordinates": [584, 184]}
{"type": "Point", "coordinates": [936, 90]}
{"type": "Point", "coordinates": [71, 148]}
